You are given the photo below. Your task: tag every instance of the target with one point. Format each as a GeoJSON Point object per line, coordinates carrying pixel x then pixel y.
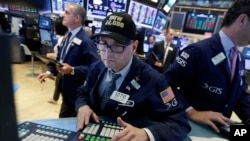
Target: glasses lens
{"type": "Point", "coordinates": [114, 48]}
{"type": "Point", "coordinates": [117, 49]}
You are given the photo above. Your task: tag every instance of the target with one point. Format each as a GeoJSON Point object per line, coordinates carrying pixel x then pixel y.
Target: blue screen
{"type": "Point", "coordinates": [45, 22]}
{"type": "Point", "coordinates": [160, 22]}
{"type": "Point", "coordinates": [246, 52]}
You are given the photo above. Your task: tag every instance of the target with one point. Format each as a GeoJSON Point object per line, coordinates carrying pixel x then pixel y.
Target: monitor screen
{"type": "Point", "coordinates": [22, 7]}
{"type": "Point", "coordinates": [4, 6]}
{"type": "Point", "coordinates": [168, 6]}
{"type": "Point", "coordinates": [177, 20]}
{"type": "Point", "coordinates": [101, 8]}
{"type": "Point", "coordinates": [143, 15]}
{"type": "Point", "coordinates": [199, 23]}
{"type": "Point", "coordinates": [246, 52]}
{"type": "Point", "coordinates": [45, 22]}
{"type": "Point", "coordinates": [59, 6]}
{"type": "Point", "coordinates": [160, 22]}
{"type": "Point", "coordinates": [46, 7]}
{"type": "Point", "coordinates": [46, 37]}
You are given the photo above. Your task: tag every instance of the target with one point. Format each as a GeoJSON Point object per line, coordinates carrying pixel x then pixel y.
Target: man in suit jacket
{"type": "Point", "coordinates": [76, 53]}
{"type": "Point", "coordinates": [164, 52]}
{"type": "Point", "coordinates": [140, 93]}
{"type": "Point", "coordinates": [202, 73]}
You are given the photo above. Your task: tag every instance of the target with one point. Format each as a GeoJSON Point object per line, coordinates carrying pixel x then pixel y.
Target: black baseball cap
{"type": "Point", "coordinates": [118, 26]}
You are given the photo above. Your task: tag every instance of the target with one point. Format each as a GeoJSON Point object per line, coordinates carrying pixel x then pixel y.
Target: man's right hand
{"type": "Point", "coordinates": [83, 116]}
{"type": "Point", "coordinates": [209, 118]}
{"type": "Point", "coordinates": [41, 77]}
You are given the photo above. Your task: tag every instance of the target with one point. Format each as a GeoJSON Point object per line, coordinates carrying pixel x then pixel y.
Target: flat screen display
{"type": "Point", "coordinates": [101, 8]}
{"type": "Point", "coordinates": [45, 36]}
{"type": "Point", "coordinates": [46, 7]}
{"type": "Point", "coordinates": [160, 22]}
{"type": "Point", "coordinates": [59, 6]}
{"type": "Point", "coordinates": [143, 15]}
{"type": "Point", "coordinates": [22, 7]}
{"type": "Point", "coordinates": [168, 6]}
{"type": "Point", "coordinates": [45, 22]}
{"type": "Point", "coordinates": [3, 6]}
{"type": "Point", "coordinates": [199, 23]}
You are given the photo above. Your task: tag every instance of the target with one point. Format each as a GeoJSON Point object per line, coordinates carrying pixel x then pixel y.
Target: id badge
{"type": "Point", "coordinates": [119, 97]}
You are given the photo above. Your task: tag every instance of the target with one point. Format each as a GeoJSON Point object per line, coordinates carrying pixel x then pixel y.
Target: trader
{"type": "Point", "coordinates": [164, 52]}
{"type": "Point", "coordinates": [209, 74]}
{"type": "Point", "coordinates": [76, 53]}
{"type": "Point", "coordinates": [123, 87]}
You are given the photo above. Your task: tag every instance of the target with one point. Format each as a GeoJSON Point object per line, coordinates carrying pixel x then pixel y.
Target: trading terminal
{"type": "Point", "coordinates": [193, 21]}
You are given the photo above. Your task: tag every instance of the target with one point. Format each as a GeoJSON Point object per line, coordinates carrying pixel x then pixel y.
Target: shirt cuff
{"type": "Point", "coordinates": [48, 72]}
{"type": "Point", "coordinates": [189, 108]}
{"type": "Point", "coordinates": [150, 135]}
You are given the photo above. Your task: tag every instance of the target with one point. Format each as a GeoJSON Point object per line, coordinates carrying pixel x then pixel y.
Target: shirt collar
{"type": "Point", "coordinates": [226, 42]}
{"type": "Point", "coordinates": [75, 31]}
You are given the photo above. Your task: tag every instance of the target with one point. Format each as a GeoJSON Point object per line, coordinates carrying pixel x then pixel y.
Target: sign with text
{"type": "Point", "coordinates": [239, 132]}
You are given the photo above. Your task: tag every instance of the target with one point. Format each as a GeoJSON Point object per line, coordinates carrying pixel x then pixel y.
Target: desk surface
{"type": "Point", "coordinates": [70, 124]}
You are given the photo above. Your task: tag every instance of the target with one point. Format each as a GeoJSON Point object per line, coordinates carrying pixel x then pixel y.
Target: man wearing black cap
{"type": "Point", "coordinates": [124, 88]}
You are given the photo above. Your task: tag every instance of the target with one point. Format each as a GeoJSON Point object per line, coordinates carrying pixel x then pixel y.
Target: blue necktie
{"type": "Point", "coordinates": [109, 90]}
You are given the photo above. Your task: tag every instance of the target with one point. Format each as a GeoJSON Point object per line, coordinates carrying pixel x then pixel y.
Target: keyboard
{"type": "Point", "coordinates": [104, 131]}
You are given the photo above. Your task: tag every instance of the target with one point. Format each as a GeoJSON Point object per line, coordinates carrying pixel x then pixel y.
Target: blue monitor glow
{"type": "Point", "coordinates": [45, 22]}
{"type": "Point", "coordinates": [101, 8]}
{"type": "Point", "coordinates": [59, 6]}
{"type": "Point", "coordinates": [180, 42]}
{"type": "Point", "coordinates": [143, 15]}
{"type": "Point", "coordinates": [160, 22]}
{"type": "Point", "coordinates": [246, 54]}
{"type": "Point", "coordinates": [199, 23]}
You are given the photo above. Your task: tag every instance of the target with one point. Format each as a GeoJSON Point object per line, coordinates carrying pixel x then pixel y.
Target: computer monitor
{"type": "Point", "coordinates": [199, 23]}
{"type": "Point", "coordinates": [45, 37]}
{"type": "Point", "coordinates": [177, 20]}
{"type": "Point", "coordinates": [160, 22]}
{"type": "Point", "coordinates": [45, 22]}
{"type": "Point", "coordinates": [59, 6]}
{"type": "Point", "coordinates": [47, 7]}
{"type": "Point", "coordinates": [168, 6]}
{"type": "Point", "coordinates": [246, 54]}
{"type": "Point", "coordinates": [143, 15]}
{"type": "Point", "coordinates": [101, 8]}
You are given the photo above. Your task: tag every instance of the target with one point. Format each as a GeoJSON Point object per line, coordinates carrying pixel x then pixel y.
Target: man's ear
{"type": "Point", "coordinates": [135, 45]}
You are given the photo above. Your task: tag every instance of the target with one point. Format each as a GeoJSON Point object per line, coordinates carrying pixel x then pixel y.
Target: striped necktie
{"type": "Point", "coordinates": [109, 90]}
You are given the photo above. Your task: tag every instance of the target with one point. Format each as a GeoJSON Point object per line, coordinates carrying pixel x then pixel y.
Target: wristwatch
{"type": "Point", "coordinates": [73, 71]}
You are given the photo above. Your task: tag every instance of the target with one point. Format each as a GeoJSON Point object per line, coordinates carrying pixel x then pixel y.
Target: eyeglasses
{"type": "Point", "coordinates": [113, 48]}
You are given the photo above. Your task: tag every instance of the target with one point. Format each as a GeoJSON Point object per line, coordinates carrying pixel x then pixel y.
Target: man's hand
{"type": "Point", "coordinates": [209, 118]}
{"type": "Point", "coordinates": [41, 77]}
{"type": "Point", "coordinates": [83, 116]}
{"type": "Point", "coordinates": [130, 133]}
{"type": "Point", "coordinates": [65, 69]}
{"type": "Point", "coordinates": [158, 64]}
